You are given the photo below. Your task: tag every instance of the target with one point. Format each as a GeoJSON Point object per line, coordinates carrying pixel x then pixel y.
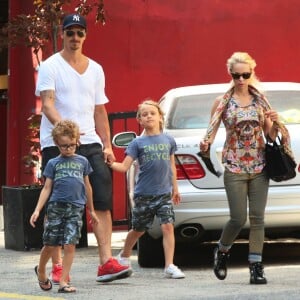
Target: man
{"type": "Point", "coordinates": [72, 86]}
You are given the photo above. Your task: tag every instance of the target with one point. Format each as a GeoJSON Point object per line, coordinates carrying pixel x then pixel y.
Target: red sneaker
{"type": "Point", "coordinates": [55, 274]}
{"type": "Point", "coordinates": [112, 270]}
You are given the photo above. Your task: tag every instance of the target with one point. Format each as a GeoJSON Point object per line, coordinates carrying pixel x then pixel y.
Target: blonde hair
{"type": "Point", "coordinates": [66, 128]}
{"type": "Point", "coordinates": [243, 58]}
{"type": "Point", "coordinates": [155, 104]}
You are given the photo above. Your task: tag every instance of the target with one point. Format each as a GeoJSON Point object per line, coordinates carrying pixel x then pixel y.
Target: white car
{"type": "Point", "coordinates": [203, 210]}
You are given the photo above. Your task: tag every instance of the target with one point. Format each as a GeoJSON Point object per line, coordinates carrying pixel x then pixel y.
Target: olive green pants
{"type": "Point", "coordinates": [246, 191]}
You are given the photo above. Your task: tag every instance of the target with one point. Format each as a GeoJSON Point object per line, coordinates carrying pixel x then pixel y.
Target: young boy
{"type": "Point", "coordinates": [67, 189]}
{"type": "Point", "coordinates": [153, 194]}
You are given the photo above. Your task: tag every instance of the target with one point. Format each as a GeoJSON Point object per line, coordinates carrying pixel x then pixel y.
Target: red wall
{"type": "Point", "coordinates": [150, 46]}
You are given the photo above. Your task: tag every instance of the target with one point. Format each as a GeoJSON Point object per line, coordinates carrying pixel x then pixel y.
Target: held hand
{"type": "Point", "coordinates": [272, 114]}
{"type": "Point", "coordinates": [109, 156]}
{"type": "Point", "coordinates": [34, 218]}
{"type": "Point", "coordinates": [204, 146]}
{"type": "Point", "coordinates": [110, 163]}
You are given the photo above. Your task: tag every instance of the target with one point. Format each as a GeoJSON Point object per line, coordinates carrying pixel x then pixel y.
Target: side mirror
{"type": "Point", "coordinates": [122, 140]}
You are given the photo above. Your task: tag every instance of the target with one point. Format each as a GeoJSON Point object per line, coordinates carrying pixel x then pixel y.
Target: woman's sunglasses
{"type": "Point", "coordinates": [71, 33]}
{"type": "Point", "coordinates": [238, 75]}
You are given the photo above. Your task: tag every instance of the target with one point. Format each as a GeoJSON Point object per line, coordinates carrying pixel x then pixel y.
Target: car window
{"type": "Point", "coordinates": [193, 111]}
{"type": "Point", "coordinates": [190, 112]}
{"type": "Point", "coordinates": [287, 104]}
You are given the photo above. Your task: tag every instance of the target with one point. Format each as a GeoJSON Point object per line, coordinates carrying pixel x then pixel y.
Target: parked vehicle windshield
{"type": "Point", "coordinates": [193, 111]}
{"type": "Point", "coordinates": [286, 103]}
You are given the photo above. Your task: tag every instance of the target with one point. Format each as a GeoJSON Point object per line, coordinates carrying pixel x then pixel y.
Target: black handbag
{"type": "Point", "coordinates": [279, 165]}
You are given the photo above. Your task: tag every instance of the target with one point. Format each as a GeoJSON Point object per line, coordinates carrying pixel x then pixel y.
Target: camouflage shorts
{"type": "Point", "coordinates": [63, 224]}
{"type": "Point", "coordinates": [147, 207]}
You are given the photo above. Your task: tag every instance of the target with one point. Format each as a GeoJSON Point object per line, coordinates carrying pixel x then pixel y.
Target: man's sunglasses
{"type": "Point", "coordinates": [238, 75]}
{"type": "Point", "coordinates": [71, 33]}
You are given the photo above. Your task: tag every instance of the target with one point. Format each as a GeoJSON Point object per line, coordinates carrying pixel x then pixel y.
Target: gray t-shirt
{"type": "Point", "coordinates": [67, 174]}
{"type": "Point", "coordinates": [153, 155]}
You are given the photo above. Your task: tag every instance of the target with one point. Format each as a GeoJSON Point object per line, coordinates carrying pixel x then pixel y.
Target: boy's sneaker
{"type": "Point", "coordinates": [56, 273]}
{"type": "Point", "coordinates": [112, 270]}
{"type": "Point", "coordinates": [174, 272]}
{"type": "Point", "coordinates": [124, 261]}
{"type": "Point", "coordinates": [220, 261]}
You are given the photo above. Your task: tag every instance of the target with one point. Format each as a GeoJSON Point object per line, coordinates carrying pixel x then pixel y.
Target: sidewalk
{"type": "Point", "coordinates": [18, 280]}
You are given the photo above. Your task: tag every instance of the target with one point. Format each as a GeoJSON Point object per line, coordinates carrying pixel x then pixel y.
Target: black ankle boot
{"type": "Point", "coordinates": [220, 263]}
{"type": "Point", "coordinates": [257, 273]}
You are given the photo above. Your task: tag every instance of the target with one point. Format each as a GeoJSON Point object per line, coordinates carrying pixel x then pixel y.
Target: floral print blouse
{"type": "Point", "coordinates": [243, 150]}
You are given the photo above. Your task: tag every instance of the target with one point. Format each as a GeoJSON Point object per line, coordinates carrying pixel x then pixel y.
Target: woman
{"type": "Point", "coordinates": [248, 120]}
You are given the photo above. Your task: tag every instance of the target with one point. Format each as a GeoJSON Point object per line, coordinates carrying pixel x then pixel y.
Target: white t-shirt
{"type": "Point", "coordinates": [75, 96]}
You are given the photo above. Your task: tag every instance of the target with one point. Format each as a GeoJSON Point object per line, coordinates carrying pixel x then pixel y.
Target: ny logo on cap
{"type": "Point", "coordinates": [76, 18]}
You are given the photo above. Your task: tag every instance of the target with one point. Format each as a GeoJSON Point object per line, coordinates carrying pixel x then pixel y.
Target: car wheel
{"type": "Point", "coordinates": [150, 251]}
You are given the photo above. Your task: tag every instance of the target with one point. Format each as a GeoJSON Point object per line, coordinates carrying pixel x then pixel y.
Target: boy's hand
{"type": "Point", "coordinates": [34, 218]}
{"type": "Point", "coordinates": [176, 197]}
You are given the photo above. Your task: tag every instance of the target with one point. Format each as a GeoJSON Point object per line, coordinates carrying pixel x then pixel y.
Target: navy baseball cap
{"type": "Point", "coordinates": [74, 19]}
